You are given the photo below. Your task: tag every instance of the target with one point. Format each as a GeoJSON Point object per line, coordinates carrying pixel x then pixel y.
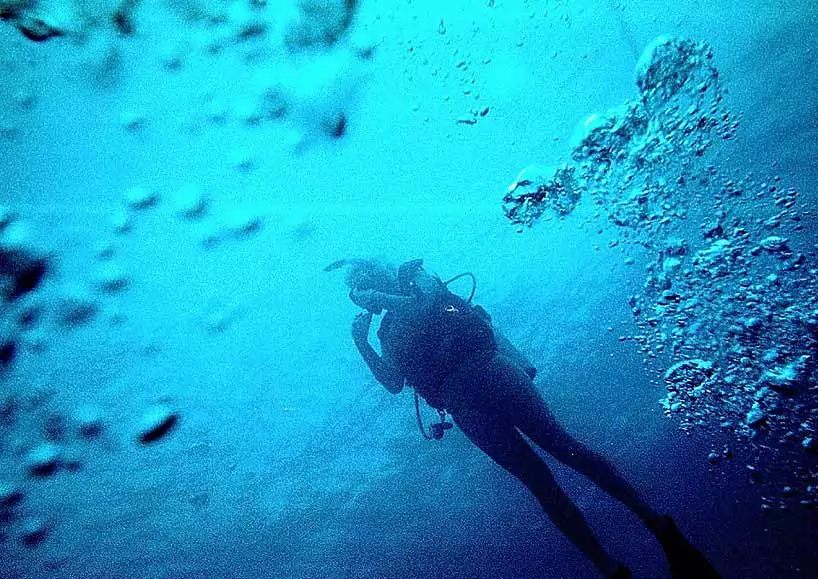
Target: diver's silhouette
{"type": "Point", "coordinates": [448, 351]}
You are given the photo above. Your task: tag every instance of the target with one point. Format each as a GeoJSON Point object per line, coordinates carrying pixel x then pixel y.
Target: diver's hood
{"type": "Point", "coordinates": [367, 273]}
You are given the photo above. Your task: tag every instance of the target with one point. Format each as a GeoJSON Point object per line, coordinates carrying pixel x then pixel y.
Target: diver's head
{"type": "Point", "coordinates": [368, 274]}
{"type": "Point", "coordinates": [414, 280]}
{"type": "Point", "coordinates": [371, 274]}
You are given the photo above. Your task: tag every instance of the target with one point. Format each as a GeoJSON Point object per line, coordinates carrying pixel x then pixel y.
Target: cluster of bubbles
{"type": "Point", "coordinates": [731, 304]}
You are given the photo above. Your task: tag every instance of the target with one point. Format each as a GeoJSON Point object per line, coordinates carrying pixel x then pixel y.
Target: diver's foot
{"type": "Point", "coordinates": [621, 572]}
{"type": "Point", "coordinates": [685, 560]}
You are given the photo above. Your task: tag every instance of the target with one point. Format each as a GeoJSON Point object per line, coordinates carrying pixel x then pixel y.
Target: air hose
{"type": "Point", "coordinates": [437, 429]}
{"type": "Point", "coordinates": [420, 420]}
{"type": "Point", "coordinates": [473, 283]}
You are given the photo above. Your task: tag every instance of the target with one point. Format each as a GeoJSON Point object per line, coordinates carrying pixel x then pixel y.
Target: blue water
{"type": "Point", "coordinates": [188, 176]}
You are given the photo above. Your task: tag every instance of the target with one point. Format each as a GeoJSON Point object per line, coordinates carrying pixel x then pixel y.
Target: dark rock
{"type": "Point", "coordinates": [89, 421]}
{"type": "Point", "coordinates": [29, 278]}
{"type": "Point", "coordinates": [156, 424]}
{"type": "Point", "coordinates": [43, 460]}
{"type": "Point", "coordinates": [336, 127]}
{"type": "Point", "coordinates": [25, 271]}
{"type": "Point", "coordinates": [8, 352]}
{"type": "Point", "coordinates": [10, 495]}
{"type": "Point", "coordinates": [33, 532]}
{"type": "Point", "coordinates": [76, 309]}
{"type": "Point", "coordinates": [122, 18]}
{"type": "Point", "coordinates": [38, 30]}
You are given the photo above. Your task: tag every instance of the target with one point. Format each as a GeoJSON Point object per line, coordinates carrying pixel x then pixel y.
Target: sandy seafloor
{"type": "Point", "coordinates": [183, 177]}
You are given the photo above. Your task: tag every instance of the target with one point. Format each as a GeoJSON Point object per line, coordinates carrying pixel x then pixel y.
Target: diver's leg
{"type": "Point", "coordinates": [533, 417]}
{"type": "Point", "coordinates": [501, 441]}
{"type": "Point", "coordinates": [539, 424]}
{"type": "Point", "coordinates": [522, 400]}
{"type": "Point", "coordinates": [555, 440]}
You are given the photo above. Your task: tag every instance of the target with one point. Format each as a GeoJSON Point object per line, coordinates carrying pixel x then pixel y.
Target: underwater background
{"type": "Point", "coordinates": [632, 184]}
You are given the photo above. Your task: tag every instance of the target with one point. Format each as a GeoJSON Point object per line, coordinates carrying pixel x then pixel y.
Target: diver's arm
{"type": "Point", "coordinates": [392, 302]}
{"type": "Point", "coordinates": [376, 301]}
{"type": "Point", "coordinates": [384, 371]}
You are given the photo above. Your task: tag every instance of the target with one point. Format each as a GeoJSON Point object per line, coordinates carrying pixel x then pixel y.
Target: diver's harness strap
{"type": "Point", "coordinates": [437, 429]}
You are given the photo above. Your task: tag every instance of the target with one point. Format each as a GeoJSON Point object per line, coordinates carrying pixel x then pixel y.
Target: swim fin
{"type": "Point", "coordinates": [685, 560]}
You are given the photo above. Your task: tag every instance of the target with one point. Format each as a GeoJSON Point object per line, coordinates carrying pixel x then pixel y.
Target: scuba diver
{"type": "Point", "coordinates": [448, 351]}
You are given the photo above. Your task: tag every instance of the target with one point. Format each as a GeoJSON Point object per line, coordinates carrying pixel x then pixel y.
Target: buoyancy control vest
{"type": "Point", "coordinates": [432, 340]}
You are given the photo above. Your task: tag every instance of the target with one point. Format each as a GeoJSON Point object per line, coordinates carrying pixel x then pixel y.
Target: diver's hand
{"type": "Point", "coordinates": [360, 327]}
{"type": "Point", "coordinates": [367, 299]}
